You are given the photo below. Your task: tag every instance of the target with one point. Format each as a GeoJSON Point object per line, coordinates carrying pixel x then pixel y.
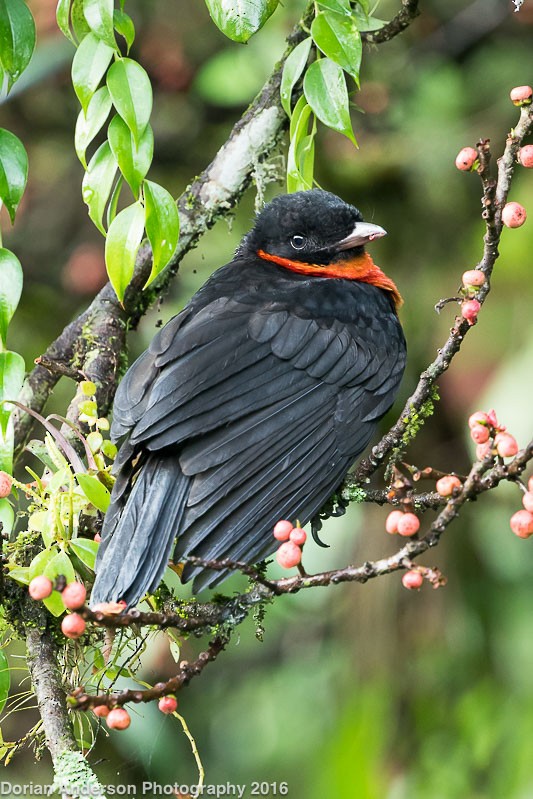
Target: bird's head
{"type": "Point", "coordinates": [311, 226]}
{"type": "Point", "coordinates": [316, 233]}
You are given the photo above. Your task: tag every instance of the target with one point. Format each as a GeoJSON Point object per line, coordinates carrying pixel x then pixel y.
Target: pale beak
{"type": "Point", "coordinates": [362, 233]}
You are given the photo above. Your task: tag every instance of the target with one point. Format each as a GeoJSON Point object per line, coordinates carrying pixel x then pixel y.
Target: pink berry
{"type": "Point", "coordinates": [118, 719]}
{"type": "Point", "coordinates": [282, 530]}
{"type": "Point", "coordinates": [466, 159]}
{"type": "Point", "coordinates": [446, 485]}
{"type": "Point", "coordinates": [506, 445]}
{"type": "Point", "coordinates": [473, 277]}
{"type": "Point", "coordinates": [522, 523]}
{"type": "Point", "coordinates": [482, 450]}
{"type": "Point", "coordinates": [109, 607]}
{"type": "Point", "coordinates": [40, 587]}
{"type": "Point", "coordinates": [514, 215]}
{"type": "Point", "coordinates": [480, 434]}
{"type": "Point", "coordinates": [73, 625]}
{"type": "Point", "coordinates": [521, 95]}
{"type": "Point", "coordinates": [298, 536]}
{"type": "Point", "coordinates": [101, 711]}
{"type": "Point", "coordinates": [527, 501]}
{"type": "Point", "coordinates": [168, 704]}
{"type": "Point", "coordinates": [5, 484]}
{"type": "Point", "coordinates": [478, 418]}
{"type": "Point", "coordinates": [470, 310]}
{"type": "Point", "coordinates": [74, 595]}
{"type": "Point", "coordinates": [289, 555]}
{"type": "Point", "coordinates": [530, 484]}
{"type": "Point", "coordinates": [525, 155]}
{"type": "Point", "coordinates": [412, 580]}
{"type": "Point", "coordinates": [391, 522]}
{"type": "Point", "coordinates": [97, 538]}
{"type": "Point", "coordinates": [409, 524]}
{"type": "Point", "coordinates": [493, 421]}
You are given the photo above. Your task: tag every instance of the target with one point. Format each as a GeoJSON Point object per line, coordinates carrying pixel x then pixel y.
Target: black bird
{"type": "Point", "coordinates": [251, 404]}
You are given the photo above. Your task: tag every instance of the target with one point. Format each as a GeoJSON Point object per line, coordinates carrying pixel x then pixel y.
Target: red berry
{"type": "Point", "coordinates": [506, 445]}
{"type": "Point", "coordinates": [514, 215]}
{"type": "Point", "coordinates": [40, 587]}
{"type": "Point", "coordinates": [478, 418]}
{"type": "Point", "coordinates": [521, 95]}
{"type": "Point", "coordinates": [527, 501]}
{"type": "Point", "coordinates": [74, 595]}
{"type": "Point", "coordinates": [118, 719]}
{"type": "Point", "coordinates": [6, 482]}
{"type": "Point", "coordinates": [522, 523]}
{"type": "Point", "coordinates": [409, 524]}
{"type": "Point", "coordinates": [289, 555]}
{"type": "Point", "coordinates": [525, 155]}
{"type": "Point", "coordinates": [73, 625]}
{"type": "Point", "coordinates": [298, 536]}
{"type": "Point", "coordinates": [391, 522]}
{"type": "Point", "coordinates": [412, 580]}
{"type": "Point", "coordinates": [473, 277]}
{"type": "Point", "coordinates": [168, 704]}
{"type": "Point", "coordinates": [101, 711]}
{"type": "Point", "coordinates": [482, 450]}
{"type": "Point", "coordinates": [480, 434]}
{"type": "Point", "coordinates": [282, 530]}
{"type": "Point", "coordinates": [466, 159]}
{"type": "Point", "coordinates": [446, 485]}
{"type": "Point", "coordinates": [470, 310]}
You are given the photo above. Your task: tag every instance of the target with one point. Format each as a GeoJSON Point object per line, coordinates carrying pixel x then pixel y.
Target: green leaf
{"type": "Point", "coordinates": [292, 71]}
{"type": "Point", "coordinates": [240, 19]}
{"type": "Point", "coordinates": [133, 160]}
{"type": "Point", "coordinates": [89, 66]}
{"type": "Point", "coordinates": [365, 5]}
{"type": "Point", "coordinates": [98, 182]}
{"type": "Point", "coordinates": [338, 6]}
{"type": "Point", "coordinates": [96, 493]}
{"type": "Point", "coordinates": [20, 575]}
{"type": "Point", "coordinates": [99, 16]}
{"type": "Point", "coordinates": [124, 27]}
{"type": "Point", "coordinates": [338, 38]}
{"type": "Point", "coordinates": [79, 23]}
{"type": "Point", "coordinates": [10, 289]}
{"type": "Point", "coordinates": [17, 38]}
{"type": "Point", "coordinates": [5, 679]}
{"type": "Point", "coordinates": [89, 123]}
{"type": "Point", "coordinates": [86, 550]}
{"type": "Point", "coordinates": [41, 561]}
{"type": "Point", "coordinates": [7, 443]}
{"type": "Point", "coordinates": [12, 372]}
{"type": "Point", "coordinates": [113, 200]}
{"type": "Point", "coordinates": [300, 159]}
{"type": "Point", "coordinates": [123, 240]}
{"type": "Point", "coordinates": [131, 92]}
{"type": "Point", "coordinates": [162, 226]}
{"type": "Point", "coordinates": [63, 19]}
{"type": "Point", "coordinates": [326, 93]}
{"type": "Point", "coordinates": [7, 516]}
{"type": "Point", "coordinates": [13, 171]}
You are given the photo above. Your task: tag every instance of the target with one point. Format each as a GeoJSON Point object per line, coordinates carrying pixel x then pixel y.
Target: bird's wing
{"type": "Point", "coordinates": [266, 410]}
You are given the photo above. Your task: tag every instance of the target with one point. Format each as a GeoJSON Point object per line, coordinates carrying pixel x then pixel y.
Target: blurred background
{"type": "Point", "coordinates": [366, 691]}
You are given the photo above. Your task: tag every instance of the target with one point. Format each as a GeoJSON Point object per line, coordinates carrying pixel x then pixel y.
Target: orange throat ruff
{"type": "Point", "coordinates": [361, 268]}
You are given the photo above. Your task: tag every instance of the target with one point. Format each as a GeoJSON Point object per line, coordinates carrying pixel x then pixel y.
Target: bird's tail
{"type": "Point", "coordinates": [139, 531]}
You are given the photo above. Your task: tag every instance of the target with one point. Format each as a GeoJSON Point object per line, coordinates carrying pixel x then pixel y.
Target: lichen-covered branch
{"type": "Point", "coordinates": [408, 12]}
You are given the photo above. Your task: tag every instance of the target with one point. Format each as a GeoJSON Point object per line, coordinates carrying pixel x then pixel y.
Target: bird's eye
{"type": "Point", "coordinates": [298, 242]}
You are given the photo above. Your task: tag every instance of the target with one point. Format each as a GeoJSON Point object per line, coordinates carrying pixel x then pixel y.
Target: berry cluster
{"type": "Point", "coordinates": [289, 553]}
{"type": "Point", "coordinates": [403, 523]}
{"type": "Point", "coordinates": [490, 436]}
{"type": "Point", "coordinates": [73, 596]}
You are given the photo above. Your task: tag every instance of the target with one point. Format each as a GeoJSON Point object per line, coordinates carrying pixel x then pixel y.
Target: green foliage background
{"type": "Point", "coordinates": [357, 691]}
